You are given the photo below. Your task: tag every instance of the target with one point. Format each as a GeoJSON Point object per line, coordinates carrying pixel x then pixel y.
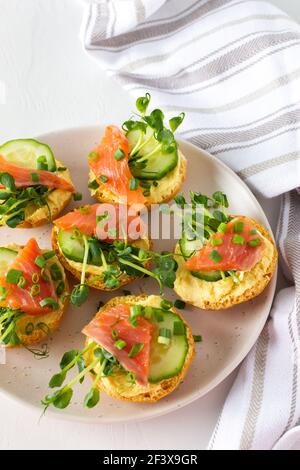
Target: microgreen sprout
{"type": "Point", "coordinates": [13, 201]}
{"type": "Point", "coordinates": [9, 332]}
{"type": "Point", "coordinates": [101, 364]}
{"type": "Point", "coordinates": [80, 292]}
{"type": "Point", "coordinates": [150, 129]}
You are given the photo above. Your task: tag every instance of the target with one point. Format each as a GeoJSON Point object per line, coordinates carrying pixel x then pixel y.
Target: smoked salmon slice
{"type": "Point", "coordinates": [103, 163]}
{"type": "Point", "coordinates": [108, 222]}
{"type": "Point", "coordinates": [115, 320]}
{"type": "Point", "coordinates": [83, 219]}
{"type": "Point", "coordinates": [23, 177]}
{"type": "Point", "coordinates": [239, 249]}
{"type": "Point", "coordinates": [21, 298]}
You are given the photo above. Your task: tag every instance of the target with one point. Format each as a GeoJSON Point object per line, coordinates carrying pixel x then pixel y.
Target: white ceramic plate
{"type": "Point", "coordinates": [227, 335]}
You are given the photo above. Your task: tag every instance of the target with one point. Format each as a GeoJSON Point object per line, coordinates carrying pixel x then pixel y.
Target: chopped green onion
{"type": "Point", "coordinates": [49, 302]}
{"type": "Point", "coordinates": [44, 275]}
{"type": "Point", "coordinates": [133, 184]}
{"type": "Point", "coordinates": [13, 276]}
{"type": "Point", "coordinates": [253, 231]}
{"type": "Point", "coordinates": [49, 254]}
{"type": "Point", "coordinates": [35, 278]}
{"type": "Point", "coordinates": [148, 312]}
{"type": "Point", "coordinates": [60, 288]}
{"type": "Point", "coordinates": [180, 304]}
{"type": "Point", "coordinates": [35, 290]}
{"type": "Point", "coordinates": [103, 178]}
{"type": "Point", "coordinates": [114, 334]}
{"type": "Point", "coordinates": [197, 338]}
{"type": "Point", "coordinates": [119, 154]}
{"type": "Point", "coordinates": [35, 177]}
{"type": "Point", "coordinates": [216, 241]}
{"type": "Point", "coordinates": [166, 332]}
{"type": "Point", "coordinates": [215, 256]}
{"type": "Point", "coordinates": [61, 168]}
{"type": "Point", "coordinates": [238, 227]}
{"type": "Point", "coordinates": [164, 336]}
{"type": "Point", "coordinates": [238, 240]}
{"type": "Point", "coordinates": [77, 196]}
{"type": "Point", "coordinates": [56, 273]}
{"type": "Point", "coordinates": [136, 348]}
{"type": "Point", "coordinates": [22, 282]}
{"type": "Point", "coordinates": [133, 321]}
{"type": "Point", "coordinates": [159, 315]}
{"type": "Point", "coordinates": [178, 328]}
{"type": "Point", "coordinates": [42, 163]}
{"type": "Point", "coordinates": [40, 261]}
{"type": "Point", "coordinates": [254, 242]}
{"type": "Point", "coordinates": [93, 184]}
{"type": "Point", "coordinates": [166, 304]}
{"type": "Point", "coordinates": [135, 310]}
{"type": "Point", "coordinates": [222, 228]}
{"type": "Point", "coordinates": [120, 344]}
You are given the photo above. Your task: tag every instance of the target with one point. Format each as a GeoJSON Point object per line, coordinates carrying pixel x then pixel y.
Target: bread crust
{"type": "Point", "coordinates": [229, 300]}
{"type": "Point", "coordinates": [38, 335]}
{"type": "Point", "coordinates": [57, 200]}
{"type": "Point", "coordinates": [102, 194]}
{"type": "Point", "coordinates": [163, 388]}
{"type": "Point", "coordinates": [91, 279]}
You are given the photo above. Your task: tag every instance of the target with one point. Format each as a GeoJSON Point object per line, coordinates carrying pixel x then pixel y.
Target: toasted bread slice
{"type": "Point", "coordinates": [41, 326]}
{"type": "Point", "coordinates": [155, 391]}
{"type": "Point", "coordinates": [57, 200]}
{"type": "Point", "coordinates": [167, 187]}
{"type": "Point", "coordinates": [225, 293]}
{"type": "Point", "coordinates": [94, 274]}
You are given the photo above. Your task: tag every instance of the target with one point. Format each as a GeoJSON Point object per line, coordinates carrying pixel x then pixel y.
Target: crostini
{"type": "Point", "coordinates": [34, 186]}
{"type": "Point", "coordinates": [33, 294]}
{"type": "Point", "coordinates": [140, 163]}
{"type": "Point", "coordinates": [105, 246]}
{"type": "Point", "coordinates": [230, 261]}
{"type": "Point", "coordinates": [138, 349]}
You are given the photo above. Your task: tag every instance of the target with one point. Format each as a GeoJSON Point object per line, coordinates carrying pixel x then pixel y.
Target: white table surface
{"type": "Point", "coordinates": [50, 83]}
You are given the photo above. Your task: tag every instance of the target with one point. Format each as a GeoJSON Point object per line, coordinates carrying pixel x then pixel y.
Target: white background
{"type": "Point", "coordinates": [50, 83]}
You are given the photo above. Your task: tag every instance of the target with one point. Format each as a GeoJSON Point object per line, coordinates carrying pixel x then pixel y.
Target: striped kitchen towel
{"type": "Point", "coordinates": [232, 66]}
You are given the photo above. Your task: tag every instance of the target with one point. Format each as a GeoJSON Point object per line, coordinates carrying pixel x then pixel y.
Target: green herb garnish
{"type": "Point", "coordinates": [103, 178]}
{"type": "Point", "coordinates": [119, 154]}
{"type": "Point", "coordinates": [13, 276]}
{"type": "Point", "coordinates": [215, 256]}
{"type": "Point", "coordinates": [77, 196]}
{"type": "Point", "coordinates": [135, 350]}
{"type": "Point", "coordinates": [254, 242]}
{"type": "Point", "coordinates": [35, 177]}
{"type": "Point", "coordinates": [238, 240]}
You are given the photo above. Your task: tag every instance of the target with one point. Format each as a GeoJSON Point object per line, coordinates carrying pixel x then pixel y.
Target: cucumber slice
{"type": "Point", "coordinates": [155, 166]}
{"type": "Point", "coordinates": [7, 257]}
{"type": "Point", "coordinates": [209, 276]}
{"type": "Point", "coordinates": [189, 247]}
{"type": "Point", "coordinates": [167, 361]}
{"type": "Point", "coordinates": [72, 248]}
{"type": "Point", "coordinates": [25, 153]}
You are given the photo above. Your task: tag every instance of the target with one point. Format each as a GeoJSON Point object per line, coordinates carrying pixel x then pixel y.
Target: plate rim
{"type": "Point", "coordinates": [192, 397]}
